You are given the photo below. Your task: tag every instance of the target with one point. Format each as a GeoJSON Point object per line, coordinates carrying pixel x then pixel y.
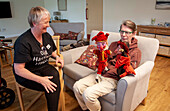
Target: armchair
{"type": "Point", "coordinates": [131, 91]}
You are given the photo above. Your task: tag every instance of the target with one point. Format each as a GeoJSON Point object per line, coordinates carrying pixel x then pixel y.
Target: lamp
{"type": "Point", "coordinates": [57, 15]}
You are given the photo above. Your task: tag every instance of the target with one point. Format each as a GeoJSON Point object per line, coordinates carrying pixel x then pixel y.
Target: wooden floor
{"type": "Point", "coordinates": [158, 98]}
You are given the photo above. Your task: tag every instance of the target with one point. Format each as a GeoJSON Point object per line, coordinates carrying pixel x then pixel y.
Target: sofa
{"type": "Point", "coordinates": [69, 32]}
{"type": "Point", "coordinates": [131, 90]}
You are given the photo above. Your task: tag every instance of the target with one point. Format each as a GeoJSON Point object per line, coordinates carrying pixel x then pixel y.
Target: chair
{"type": "Point", "coordinates": [131, 91]}
{"type": "Point", "coordinates": [20, 89]}
{"type": "Point", "coordinates": [3, 51]}
{"type": "Point", "coordinates": [61, 106]}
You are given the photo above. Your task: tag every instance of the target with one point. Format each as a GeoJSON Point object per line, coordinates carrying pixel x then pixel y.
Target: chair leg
{"type": "Point", "coordinates": [66, 88]}
{"type": "Point", "coordinates": [144, 102]}
{"type": "Point", "coordinates": [33, 101]}
{"type": "Point", "coordinates": [1, 60]}
{"type": "Point", "coordinates": [6, 56]}
{"type": "Point", "coordinates": [61, 106]}
{"type": "Point", "coordinates": [19, 92]}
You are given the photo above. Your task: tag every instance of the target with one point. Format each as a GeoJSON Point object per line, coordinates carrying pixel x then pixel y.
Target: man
{"type": "Point", "coordinates": [87, 90]}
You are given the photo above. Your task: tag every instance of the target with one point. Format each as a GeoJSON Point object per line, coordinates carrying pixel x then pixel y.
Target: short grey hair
{"type": "Point", "coordinates": [36, 14]}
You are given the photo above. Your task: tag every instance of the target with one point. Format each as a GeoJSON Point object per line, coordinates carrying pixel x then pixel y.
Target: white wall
{"type": "Point", "coordinates": [139, 11]}
{"type": "Point", "coordinates": [114, 12]}
{"type": "Point", "coordinates": [51, 6]}
{"type": "Point", "coordinates": [18, 23]}
{"type": "Point", "coordinates": [75, 10]}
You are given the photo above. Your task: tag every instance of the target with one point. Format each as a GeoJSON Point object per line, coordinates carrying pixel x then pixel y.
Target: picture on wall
{"type": "Point", "coordinates": [163, 4]}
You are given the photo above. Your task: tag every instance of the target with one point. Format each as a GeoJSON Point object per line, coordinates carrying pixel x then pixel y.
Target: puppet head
{"type": "Point", "coordinates": [101, 40]}
{"type": "Point", "coordinates": [124, 46]}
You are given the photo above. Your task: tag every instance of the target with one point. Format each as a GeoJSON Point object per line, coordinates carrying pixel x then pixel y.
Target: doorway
{"type": "Point", "coordinates": [94, 15]}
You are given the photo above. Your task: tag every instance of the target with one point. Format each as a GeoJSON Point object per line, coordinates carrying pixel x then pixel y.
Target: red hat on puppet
{"type": "Point", "coordinates": [100, 36]}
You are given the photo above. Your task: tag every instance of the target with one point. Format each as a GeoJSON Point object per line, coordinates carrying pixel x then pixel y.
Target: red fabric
{"type": "Point", "coordinates": [100, 36]}
{"type": "Point", "coordinates": [134, 53]}
{"type": "Point", "coordinates": [72, 35]}
{"type": "Point", "coordinates": [63, 36]}
{"type": "Point", "coordinates": [87, 58]}
{"type": "Point", "coordinates": [121, 60]}
{"type": "Point", "coordinates": [123, 46]}
{"type": "Point", "coordinates": [101, 66]}
{"type": "Point", "coordinates": [102, 63]}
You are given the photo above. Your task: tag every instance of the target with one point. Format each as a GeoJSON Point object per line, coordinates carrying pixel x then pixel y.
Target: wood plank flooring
{"type": "Point", "coordinates": [158, 98]}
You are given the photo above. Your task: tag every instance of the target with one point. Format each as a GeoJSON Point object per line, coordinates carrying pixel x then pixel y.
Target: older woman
{"type": "Point", "coordinates": [32, 51]}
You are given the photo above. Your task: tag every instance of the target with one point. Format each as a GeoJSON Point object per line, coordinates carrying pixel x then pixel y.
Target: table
{"type": "Point", "coordinates": [157, 32]}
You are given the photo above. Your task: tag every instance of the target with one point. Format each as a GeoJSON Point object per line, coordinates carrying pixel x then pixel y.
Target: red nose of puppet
{"type": "Point", "coordinates": [101, 45]}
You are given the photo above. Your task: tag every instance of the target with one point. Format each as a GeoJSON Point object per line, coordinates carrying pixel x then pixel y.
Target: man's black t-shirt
{"type": "Point", "coordinates": [29, 51]}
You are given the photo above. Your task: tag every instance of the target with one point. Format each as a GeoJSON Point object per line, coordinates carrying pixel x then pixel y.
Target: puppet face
{"type": "Point", "coordinates": [101, 45]}
{"type": "Point", "coordinates": [118, 50]}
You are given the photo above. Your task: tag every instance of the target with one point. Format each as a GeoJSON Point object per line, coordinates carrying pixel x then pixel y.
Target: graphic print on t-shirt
{"type": "Point", "coordinates": [44, 56]}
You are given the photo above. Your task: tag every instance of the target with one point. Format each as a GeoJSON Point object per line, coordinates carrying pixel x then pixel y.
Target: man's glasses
{"type": "Point", "coordinates": [127, 33]}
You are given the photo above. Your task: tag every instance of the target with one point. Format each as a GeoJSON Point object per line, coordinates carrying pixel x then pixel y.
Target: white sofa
{"type": "Point", "coordinates": [77, 27]}
{"type": "Point", "coordinates": [131, 91]}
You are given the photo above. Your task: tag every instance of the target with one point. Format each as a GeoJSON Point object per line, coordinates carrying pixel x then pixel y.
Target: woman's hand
{"type": "Point", "coordinates": [59, 60]}
{"type": "Point", "coordinates": [48, 85]}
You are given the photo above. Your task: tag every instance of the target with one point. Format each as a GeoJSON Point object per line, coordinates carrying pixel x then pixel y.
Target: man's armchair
{"type": "Point", "coordinates": [131, 90]}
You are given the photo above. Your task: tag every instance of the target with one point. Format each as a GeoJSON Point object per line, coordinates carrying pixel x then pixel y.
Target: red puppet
{"type": "Point", "coordinates": [101, 52]}
{"type": "Point", "coordinates": [123, 60]}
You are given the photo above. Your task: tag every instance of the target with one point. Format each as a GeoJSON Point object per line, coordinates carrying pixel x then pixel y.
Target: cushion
{"type": "Point", "coordinates": [72, 35]}
{"type": "Point", "coordinates": [80, 36]}
{"type": "Point", "coordinates": [88, 58]}
{"type": "Point", "coordinates": [63, 36]}
{"type": "Point", "coordinates": [66, 42]}
{"type": "Point", "coordinates": [77, 71]}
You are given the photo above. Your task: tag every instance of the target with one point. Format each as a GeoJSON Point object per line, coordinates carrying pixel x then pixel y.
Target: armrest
{"type": "Point", "coordinates": [80, 36]}
{"type": "Point", "coordinates": [72, 55]}
{"type": "Point", "coordinates": [57, 43]}
{"type": "Point", "coordinates": [61, 106]}
{"type": "Point", "coordinates": [131, 90]}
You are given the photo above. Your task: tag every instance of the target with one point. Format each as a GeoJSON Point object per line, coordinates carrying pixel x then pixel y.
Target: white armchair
{"type": "Point", "coordinates": [131, 91]}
